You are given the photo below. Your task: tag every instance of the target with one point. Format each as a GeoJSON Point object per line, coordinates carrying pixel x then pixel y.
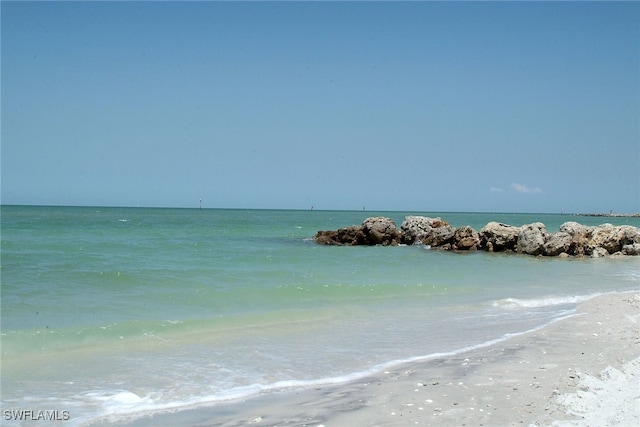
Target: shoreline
{"type": "Point", "coordinates": [529, 379]}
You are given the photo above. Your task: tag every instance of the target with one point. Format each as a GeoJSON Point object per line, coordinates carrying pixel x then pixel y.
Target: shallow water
{"type": "Point", "coordinates": [113, 312]}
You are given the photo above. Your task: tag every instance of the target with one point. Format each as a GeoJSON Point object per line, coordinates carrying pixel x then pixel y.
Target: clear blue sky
{"type": "Point", "coordinates": [507, 106]}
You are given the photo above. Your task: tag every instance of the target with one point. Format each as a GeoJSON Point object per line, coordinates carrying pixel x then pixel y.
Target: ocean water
{"type": "Point", "coordinates": [109, 314]}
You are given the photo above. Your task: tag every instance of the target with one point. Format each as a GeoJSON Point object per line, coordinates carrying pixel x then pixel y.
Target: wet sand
{"type": "Point", "coordinates": [580, 371]}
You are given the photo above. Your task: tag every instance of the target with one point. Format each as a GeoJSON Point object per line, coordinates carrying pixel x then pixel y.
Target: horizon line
{"type": "Point", "coordinates": [312, 209]}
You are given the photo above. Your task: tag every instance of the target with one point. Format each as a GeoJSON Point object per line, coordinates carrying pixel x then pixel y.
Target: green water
{"type": "Point", "coordinates": [119, 310]}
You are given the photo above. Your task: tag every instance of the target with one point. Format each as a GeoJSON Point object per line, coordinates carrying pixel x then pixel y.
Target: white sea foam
{"type": "Point", "coordinates": [514, 303]}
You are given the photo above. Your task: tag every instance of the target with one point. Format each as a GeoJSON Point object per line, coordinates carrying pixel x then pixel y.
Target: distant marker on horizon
{"type": "Point", "coordinates": [201, 203]}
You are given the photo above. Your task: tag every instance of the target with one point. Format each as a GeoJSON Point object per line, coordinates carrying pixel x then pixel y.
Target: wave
{"type": "Point", "coordinates": [550, 301]}
{"type": "Point", "coordinates": [126, 406]}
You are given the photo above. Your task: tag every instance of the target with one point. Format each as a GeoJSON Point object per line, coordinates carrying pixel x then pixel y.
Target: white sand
{"type": "Point", "coordinates": [611, 399]}
{"type": "Point", "coordinates": [581, 371]}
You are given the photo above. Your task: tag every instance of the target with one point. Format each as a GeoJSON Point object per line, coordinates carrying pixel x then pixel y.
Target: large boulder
{"type": "Point", "coordinates": [347, 236]}
{"type": "Point", "coordinates": [607, 237]}
{"type": "Point", "coordinates": [630, 234]}
{"type": "Point", "coordinates": [632, 249]}
{"type": "Point", "coordinates": [557, 243]}
{"type": "Point", "coordinates": [613, 238]}
{"type": "Point", "coordinates": [466, 239]}
{"type": "Point", "coordinates": [586, 239]}
{"type": "Point", "coordinates": [440, 236]}
{"type": "Point", "coordinates": [531, 239]}
{"type": "Point", "coordinates": [380, 231]}
{"type": "Point", "coordinates": [599, 252]}
{"type": "Point", "coordinates": [496, 237]}
{"type": "Point", "coordinates": [373, 231]}
{"type": "Point", "coordinates": [580, 238]}
{"type": "Point", "coordinates": [428, 231]}
{"type": "Point", "coordinates": [415, 228]}
{"type": "Point", "coordinates": [573, 228]}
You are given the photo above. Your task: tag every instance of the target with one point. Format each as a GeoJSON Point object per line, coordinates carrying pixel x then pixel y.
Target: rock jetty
{"type": "Point", "coordinates": [572, 239]}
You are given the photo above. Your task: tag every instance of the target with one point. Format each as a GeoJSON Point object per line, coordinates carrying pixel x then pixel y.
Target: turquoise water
{"type": "Point", "coordinates": [110, 313]}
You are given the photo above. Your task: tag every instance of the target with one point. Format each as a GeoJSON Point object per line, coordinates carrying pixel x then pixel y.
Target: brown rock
{"type": "Point", "coordinates": [380, 231]}
{"type": "Point", "coordinates": [466, 239]}
{"type": "Point", "coordinates": [498, 237]}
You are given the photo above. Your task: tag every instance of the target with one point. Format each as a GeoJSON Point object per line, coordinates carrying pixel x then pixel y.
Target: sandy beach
{"type": "Point", "coordinates": [579, 371]}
